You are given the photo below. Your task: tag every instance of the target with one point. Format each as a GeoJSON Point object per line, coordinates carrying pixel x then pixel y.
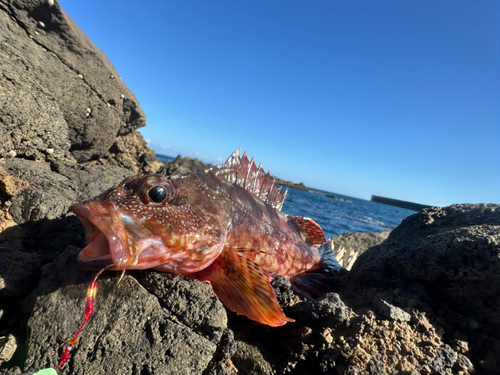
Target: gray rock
{"type": "Point", "coordinates": [392, 312]}
{"type": "Point", "coordinates": [11, 371]}
{"type": "Point", "coordinates": [19, 273]}
{"type": "Point", "coordinates": [192, 302]}
{"type": "Point", "coordinates": [184, 165]}
{"type": "Point", "coordinates": [48, 196]}
{"type": "Point", "coordinates": [463, 363]}
{"type": "Point", "coordinates": [91, 180]}
{"type": "Point", "coordinates": [56, 83]}
{"type": "Point", "coordinates": [360, 241]}
{"type": "Point", "coordinates": [349, 246]}
{"type": "Point", "coordinates": [327, 311]}
{"type": "Point", "coordinates": [30, 117]}
{"type": "Point", "coordinates": [376, 366]}
{"type": "Point", "coordinates": [445, 360]}
{"type": "Point", "coordinates": [129, 331]}
{"type": "Point", "coordinates": [8, 346]}
{"type": "Point", "coordinates": [249, 360]}
{"type": "Point", "coordinates": [454, 251]}
{"type": "Point", "coordinates": [52, 191]}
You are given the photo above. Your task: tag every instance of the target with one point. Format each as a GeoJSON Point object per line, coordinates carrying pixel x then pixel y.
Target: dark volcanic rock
{"type": "Point", "coordinates": [450, 258]}
{"type": "Point", "coordinates": [50, 192]}
{"type": "Point", "coordinates": [453, 251]}
{"type": "Point", "coordinates": [57, 71]}
{"type": "Point", "coordinates": [130, 332]}
{"type": "Point", "coordinates": [60, 97]}
{"type": "Point", "coordinates": [192, 303]}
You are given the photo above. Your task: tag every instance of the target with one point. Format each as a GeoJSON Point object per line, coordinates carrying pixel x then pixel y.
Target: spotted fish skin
{"type": "Point", "coordinates": [223, 226]}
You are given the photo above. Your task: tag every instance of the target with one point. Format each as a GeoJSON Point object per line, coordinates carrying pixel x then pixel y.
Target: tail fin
{"type": "Point", "coordinates": [330, 263]}
{"type": "Point", "coordinates": [314, 284]}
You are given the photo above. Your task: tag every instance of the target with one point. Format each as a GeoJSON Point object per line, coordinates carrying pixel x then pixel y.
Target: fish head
{"type": "Point", "coordinates": [152, 220]}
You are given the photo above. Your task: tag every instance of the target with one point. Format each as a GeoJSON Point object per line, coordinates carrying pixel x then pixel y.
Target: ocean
{"type": "Point", "coordinates": [337, 216]}
{"type": "Point", "coordinates": [347, 214]}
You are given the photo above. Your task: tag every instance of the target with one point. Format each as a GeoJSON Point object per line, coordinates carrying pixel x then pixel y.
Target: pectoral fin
{"type": "Point", "coordinates": [244, 288]}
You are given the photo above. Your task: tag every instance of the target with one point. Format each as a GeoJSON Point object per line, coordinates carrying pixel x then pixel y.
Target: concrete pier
{"type": "Point", "coordinates": [395, 202]}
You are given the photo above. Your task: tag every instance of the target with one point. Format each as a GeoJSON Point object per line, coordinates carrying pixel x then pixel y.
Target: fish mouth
{"type": "Point", "coordinates": [104, 246]}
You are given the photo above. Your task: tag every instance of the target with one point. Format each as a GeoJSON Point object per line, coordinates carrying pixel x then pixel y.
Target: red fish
{"type": "Point", "coordinates": [223, 226]}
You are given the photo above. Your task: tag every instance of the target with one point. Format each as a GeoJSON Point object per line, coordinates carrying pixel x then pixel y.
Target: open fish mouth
{"type": "Point", "coordinates": [104, 246]}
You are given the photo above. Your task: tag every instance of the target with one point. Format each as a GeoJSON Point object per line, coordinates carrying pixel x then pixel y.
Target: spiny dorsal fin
{"type": "Point", "coordinates": [244, 173]}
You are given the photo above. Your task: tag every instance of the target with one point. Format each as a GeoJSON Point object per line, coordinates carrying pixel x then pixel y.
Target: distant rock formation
{"type": "Point", "coordinates": [184, 165]}
{"type": "Point", "coordinates": [294, 185]}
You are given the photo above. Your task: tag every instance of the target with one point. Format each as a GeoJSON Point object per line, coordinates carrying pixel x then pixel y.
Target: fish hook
{"type": "Point", "coordinates": [121, 278]}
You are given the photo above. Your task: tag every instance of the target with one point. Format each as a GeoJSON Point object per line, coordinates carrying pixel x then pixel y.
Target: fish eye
{"type": "Point", "coordinates": [158, 194]}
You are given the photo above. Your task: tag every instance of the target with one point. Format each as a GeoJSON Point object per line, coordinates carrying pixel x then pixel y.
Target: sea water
{"type": "Point", "coordinates": [341, 215]}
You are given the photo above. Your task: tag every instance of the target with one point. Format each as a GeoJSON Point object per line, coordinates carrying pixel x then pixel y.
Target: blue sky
{"type": "Point", "coordinates": [359, 97]}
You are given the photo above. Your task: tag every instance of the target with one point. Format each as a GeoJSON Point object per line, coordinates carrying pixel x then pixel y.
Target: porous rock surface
{"type": "Point", "coordinates": [60, 97]}
{"type": "Point", "coordinates": [445, 261]}
{"type": "Point", "coordinates": [424, 301]}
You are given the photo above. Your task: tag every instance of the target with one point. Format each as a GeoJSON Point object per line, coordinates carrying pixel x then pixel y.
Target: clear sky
{"type": "Point", "coordinates": [357, 97]}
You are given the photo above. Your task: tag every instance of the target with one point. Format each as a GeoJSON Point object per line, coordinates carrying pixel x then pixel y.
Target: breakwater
{"type": "Point", "coordinates": [398, 203]}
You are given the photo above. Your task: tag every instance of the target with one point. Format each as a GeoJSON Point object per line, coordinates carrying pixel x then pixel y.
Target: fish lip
{"type": "Point", "coordinates": [95, 224]}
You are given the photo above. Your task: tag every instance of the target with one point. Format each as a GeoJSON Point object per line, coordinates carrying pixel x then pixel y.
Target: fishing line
{"type": "Point", "coordinates": [89, 308]}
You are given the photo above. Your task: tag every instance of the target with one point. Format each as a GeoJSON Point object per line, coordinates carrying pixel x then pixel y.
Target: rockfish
{"type": "Point", "coordinates": [223, 226]}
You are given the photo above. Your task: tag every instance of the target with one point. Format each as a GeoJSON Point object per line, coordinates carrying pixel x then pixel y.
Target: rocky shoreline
{"type": "Point", "coordinates": [423, 299]}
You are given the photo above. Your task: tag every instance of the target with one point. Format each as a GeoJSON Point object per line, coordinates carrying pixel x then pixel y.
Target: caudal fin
{"type": "Point", "coordinates": [330, 263]}
{"type": "Point", "coordinates": [313, 284]}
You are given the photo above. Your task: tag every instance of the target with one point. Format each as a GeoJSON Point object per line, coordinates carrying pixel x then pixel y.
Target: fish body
{"type": "Point", "coordinates": [223, 226]}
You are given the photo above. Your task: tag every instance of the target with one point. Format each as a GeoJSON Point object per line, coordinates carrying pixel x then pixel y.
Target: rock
{"type": "Point", "coordinates": [52, 190]}
{"type": "Point", "coordinates": [11, 371]}
{"type": "Point", "coordinates": [90, 180]}
{"type": "Point", "coordinates": [130, 151]}
{"type": "Point", "coordinates": [19, 273]}
{"type": "Point", "coordinates": [191, 302]}
{"type": "Point", "coordinates": [182, 165]}
{"type": "Point", "coordinates": [447, 259]}
{"type": "Point", "coordinates": [8, 346]}
{"type": "Point", "coordinates": [294, 185]}
{"type": "Point", "coordinates": [48, 196]}
{"type": "Point", "coordinates": [349, 246]}
{"type": "Point", "coordinates": [10, 186]}
{"type": "Point", "coordinates": [129, 332]}
{"type": "Point", "coordinates": [453, 251]}
{"type": "Point", "coordinates": [31, 118]}
{"type": "Point", "coordinates": [445, 359]}
{"type": "Point", "coordinates": [249, 360]}
{"type": "Point", "coordinates": [57, 89]}
{"type": "Point", "coordinates": [327, 311]}
{"type": "Point", "coordinates": [391, 312]}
